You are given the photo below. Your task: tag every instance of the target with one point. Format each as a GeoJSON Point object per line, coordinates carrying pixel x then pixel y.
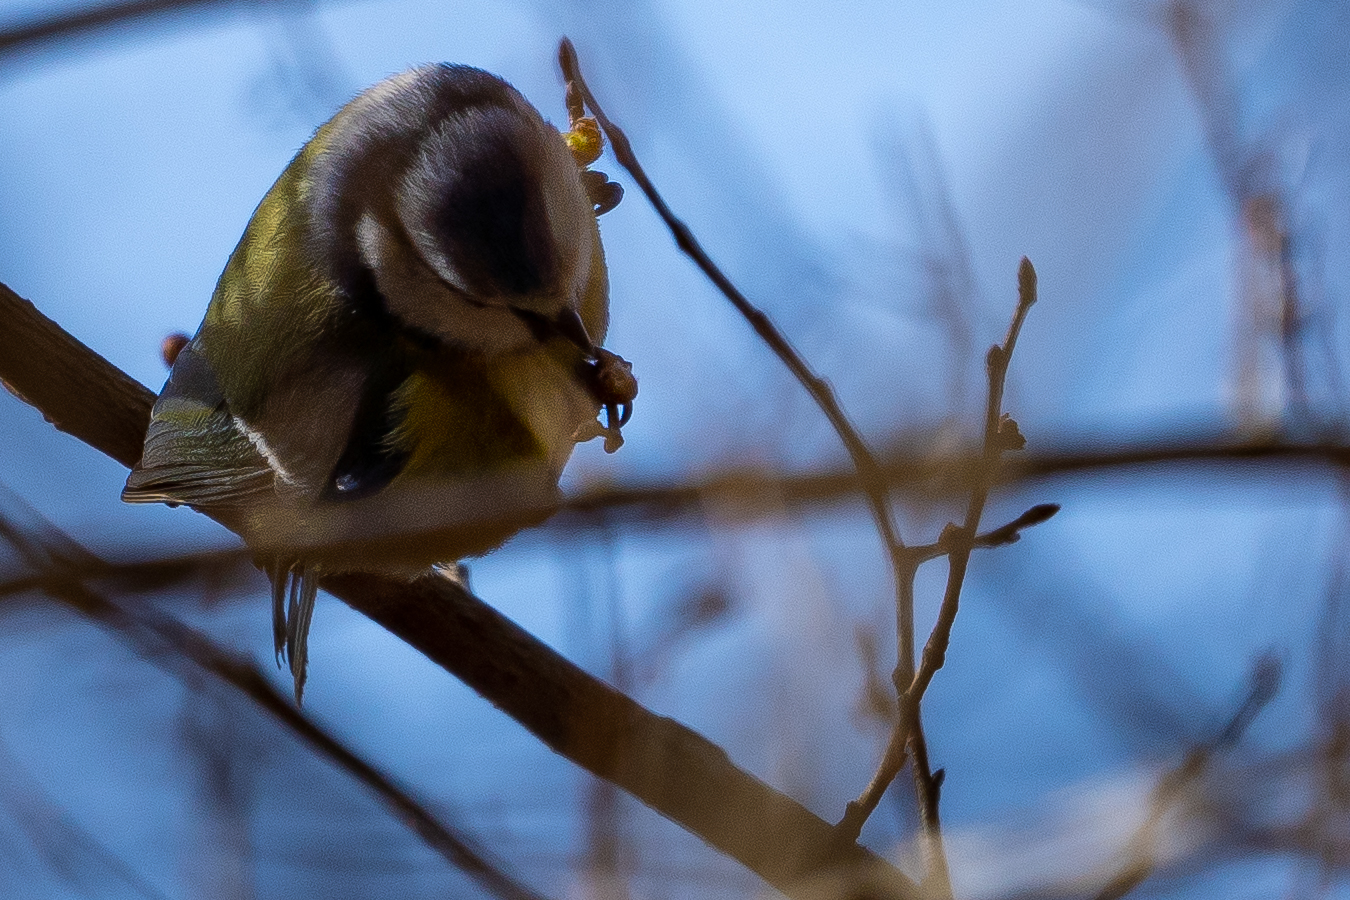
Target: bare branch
{"type": "Point", "coordinates": [75, 389]}
{"type": "Point", "coordinates": [748, 493]}
{"type": "Point", "coordinates": [1001, 536]}
{"type": "Point", "coordinates": [1000, 435]}
{"type": "Point", "coordinates": [50, 29]}
{"type": "Point", "coordinates": [672, 769]}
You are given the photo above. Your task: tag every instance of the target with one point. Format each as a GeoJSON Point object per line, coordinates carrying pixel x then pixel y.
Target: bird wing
{"type": "Point", "coordinates": [196, 452]}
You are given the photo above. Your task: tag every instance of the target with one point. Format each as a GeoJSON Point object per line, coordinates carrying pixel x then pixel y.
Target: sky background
{"type": "Point", "coordinates": [869, 174]}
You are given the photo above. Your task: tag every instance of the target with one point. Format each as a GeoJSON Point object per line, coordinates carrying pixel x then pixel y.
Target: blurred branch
{"type": "Point", "coordinates": [672, 769]}
{"type": "Point", "coordinates": [54, 28]}
{"type": "Point", "coordinates": [743, 494]}
{"type": "Point", "coordinates": [748, 493]}
{"type": "Point", "coordinates": [221, 568]}
{"type": "Point", "coordinates": [1141, 852]}
{"type": "Point", "coordinates": [1278, 310]}
{"type": "Point", "coordinates": [162, 639]}
{"type": "Point", "coordinates": [921, 192]}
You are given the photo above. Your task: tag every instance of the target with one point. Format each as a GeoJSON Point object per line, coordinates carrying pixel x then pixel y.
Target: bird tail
{"type": "Point", "coordinates": [295, 587]}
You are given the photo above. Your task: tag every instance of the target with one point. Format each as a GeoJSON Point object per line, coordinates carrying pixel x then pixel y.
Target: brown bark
{"type": "Point", "coordinates": [671, 768]}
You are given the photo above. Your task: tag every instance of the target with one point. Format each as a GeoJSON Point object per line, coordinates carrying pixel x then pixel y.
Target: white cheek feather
{"type": "Point", "coordinates": [412, 292]}
{"type": "Point", "coordinates": [419, 192]}
{"type": "Point", "coordinates": [370, 238]}
{"type": "Point", "coordinates": [260, 443]}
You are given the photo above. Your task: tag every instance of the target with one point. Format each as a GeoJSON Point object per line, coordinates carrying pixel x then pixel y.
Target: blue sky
{"type": "Point", "coordinates": [844, 162]}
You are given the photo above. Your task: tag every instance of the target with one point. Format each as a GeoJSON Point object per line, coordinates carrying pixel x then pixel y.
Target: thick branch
{"type": "Point", "coordinates": [672, 769]}
{"type": "Point", "coordinates": [75, 389]}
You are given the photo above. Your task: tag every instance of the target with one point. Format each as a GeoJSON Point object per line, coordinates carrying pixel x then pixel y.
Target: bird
{"type": "Point", "coordinates": [404, 347]}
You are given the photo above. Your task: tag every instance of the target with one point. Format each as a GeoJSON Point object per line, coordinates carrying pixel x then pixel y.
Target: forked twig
{"type": "Point", "coordinates": [1000, 435]}
{"type": "Point", "coordinates": [957, 542]}
{"type": "Point", "coordinates": [873, 483]}
{"type": "Point", "coordinates": [1001, 536]}
{"type": "Point", "coordinates": [893, 760]}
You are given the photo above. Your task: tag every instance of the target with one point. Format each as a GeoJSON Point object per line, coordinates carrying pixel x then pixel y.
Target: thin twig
{"type": "Point", "coordinates": [902, 562]}
{"type": "Point", "coordinates": [1001, 536]}
{"type": "Point", "coordinates": [893, 759]}
{"type": "Point", "coordinates": [873, 483]}
{"type": "Point", "coordinates": [1000, 434]}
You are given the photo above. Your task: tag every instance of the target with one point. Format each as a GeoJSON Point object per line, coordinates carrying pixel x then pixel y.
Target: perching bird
{"type": "Point", "coordinates": [404, 347]}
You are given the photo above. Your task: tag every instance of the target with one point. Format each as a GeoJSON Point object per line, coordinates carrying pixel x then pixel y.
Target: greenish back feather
{"type": "Point", "coordinates": [194, 451]}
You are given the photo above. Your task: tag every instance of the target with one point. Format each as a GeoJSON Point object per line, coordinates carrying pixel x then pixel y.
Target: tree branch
{"type": "Point", "coordinates": [957, 542]}
{"type": "Point", "coordinates": [49, 29]}
{"type": "Point", "coordinates": [1000, 435]}
{"type": "Point", "coordinates": [671, 768]}
{"type": "Point", "coordinates": [869, 471]}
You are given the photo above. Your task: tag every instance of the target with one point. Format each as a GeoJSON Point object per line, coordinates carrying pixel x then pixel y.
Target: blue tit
{"type": "Point", "coordinates": [407, 334]}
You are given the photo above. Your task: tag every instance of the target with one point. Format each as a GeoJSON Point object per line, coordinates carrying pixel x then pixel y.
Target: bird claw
{"type": "Point", "coordinates": [611, 382]}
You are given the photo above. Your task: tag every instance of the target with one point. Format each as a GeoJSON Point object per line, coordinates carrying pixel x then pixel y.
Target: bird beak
{"type": "Point", "coordinates": [570, 326]}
